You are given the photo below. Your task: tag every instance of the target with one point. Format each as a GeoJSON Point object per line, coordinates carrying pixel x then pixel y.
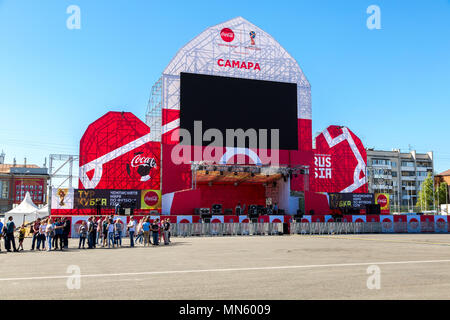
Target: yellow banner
{"type": "Point", "coordinates": [383, 200]}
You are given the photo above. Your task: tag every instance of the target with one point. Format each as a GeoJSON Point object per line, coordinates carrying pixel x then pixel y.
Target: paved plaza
{"type": "Point", "coordinates": [257, 267]}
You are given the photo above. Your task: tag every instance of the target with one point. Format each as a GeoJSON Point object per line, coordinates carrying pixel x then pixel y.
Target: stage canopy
{"type": "Point", "coordinates": [24, 212]}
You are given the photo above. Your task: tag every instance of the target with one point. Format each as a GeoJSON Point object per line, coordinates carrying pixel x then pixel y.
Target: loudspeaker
{"type": "Point", "coordinates": [197, 211]}
{"type": "Point", "coordinates": [252, 209]}
{"type": "Point", "coordinates": [311, 212]}
{"type": "Point", "coordinates": [216, 209]}
{"type": "Point", "coordinates": [373, 209]}
{"type": "Point", "coordinates": [228, 211]}
{"type": "Point", "coordinates": [204, 211]}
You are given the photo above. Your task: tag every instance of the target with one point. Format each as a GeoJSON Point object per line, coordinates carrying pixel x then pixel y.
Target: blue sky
{"type": "Point", "coordinates": [390, 86]}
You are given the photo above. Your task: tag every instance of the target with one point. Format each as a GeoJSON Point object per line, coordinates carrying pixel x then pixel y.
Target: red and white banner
{"type": "Point", "coordinates": [184, 219]}
{"type": "Point", "coordinates": [217, 219]}
{"type": "Point", "coordinates": [116, 153]}
{"type": "Point", "coordinates": [243, 219]}
{"type": "Point", "coordinates": [339, 162]}
{"type": "Point", "coordinates": [413, 223]}
{"type": "Point", "coordinates": [276, 219]}
{"type": "Point", "coordinates": [387, 224]}
{"type": "Point", "coordinates": [440, 224]}
{"type": "Point", "coordinates": [359, 218]}
{"type": "Point", "coordinates": [76, 223]}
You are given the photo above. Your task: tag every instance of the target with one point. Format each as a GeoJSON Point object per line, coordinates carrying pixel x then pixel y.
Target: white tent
{"type": "Point", "coordinates": [42, 212]}
{"type": "Point", "coordinates": [24, 212]}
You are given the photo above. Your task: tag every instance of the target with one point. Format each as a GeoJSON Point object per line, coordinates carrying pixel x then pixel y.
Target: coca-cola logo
{"type": "Point", "coordinates": [382, 200]}
{"type": "Point", "coordinates": [227, 35]}
{"type": "Point", "coordinates": [141, 160]}
{"type": "Point", "coordinates": [151, 198]}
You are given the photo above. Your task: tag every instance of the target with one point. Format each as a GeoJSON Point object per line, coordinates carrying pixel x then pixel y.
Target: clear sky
{"type": "Point", "coordinates": [390, 86]}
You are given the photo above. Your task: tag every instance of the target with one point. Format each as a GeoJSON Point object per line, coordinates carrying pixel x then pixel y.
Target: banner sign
{"type": "Point", "coordinates": [62, 198]}
{"type": "Point", "coordinates": [350, 200]}
{"type": "Point", "coordinates": [150, 199]}
{"type": "Point", "coordinates": [35, 186]}
{"type": "Point", "coordinates": [89, 198]}
{"type": "Point", "coordinates": [383, 200]}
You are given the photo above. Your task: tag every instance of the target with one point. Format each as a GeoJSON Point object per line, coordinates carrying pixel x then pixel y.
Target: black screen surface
{"type": "Point", "coordinates": [232, 103]}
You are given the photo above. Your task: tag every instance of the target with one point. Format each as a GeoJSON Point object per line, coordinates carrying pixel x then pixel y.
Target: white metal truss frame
{"type": "Point", "coordinates": [65, 167]}
{"type": "Point", "coordinates": [201, 56]}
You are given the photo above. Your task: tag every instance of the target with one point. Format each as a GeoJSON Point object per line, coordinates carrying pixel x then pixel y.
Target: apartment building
{"type": "Point", "coordinates": [399, 174]}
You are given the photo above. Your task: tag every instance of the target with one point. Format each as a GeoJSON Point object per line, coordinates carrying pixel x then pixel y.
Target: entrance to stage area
{"type": "Point", "coordinates": [263, 188]}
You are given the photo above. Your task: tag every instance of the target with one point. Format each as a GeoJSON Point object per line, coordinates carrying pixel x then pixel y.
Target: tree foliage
{"type": "Point", "coordinates": [425, 197]}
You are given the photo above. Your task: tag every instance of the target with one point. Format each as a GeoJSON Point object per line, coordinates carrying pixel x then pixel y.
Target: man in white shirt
{"type": "Point", "coordinates": [132, 230]}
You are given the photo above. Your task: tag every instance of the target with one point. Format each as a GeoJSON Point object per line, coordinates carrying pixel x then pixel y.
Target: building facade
{"type": "Point", "coordinates": [399, 174]}
{"type": "Point", "coordinates": [18, 179]}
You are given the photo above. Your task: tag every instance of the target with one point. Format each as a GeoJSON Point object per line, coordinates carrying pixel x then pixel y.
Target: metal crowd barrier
{"type": "Point", "coordinates": [313, 228]}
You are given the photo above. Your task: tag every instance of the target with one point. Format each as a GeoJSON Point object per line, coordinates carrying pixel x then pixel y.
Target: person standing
{"type": "Point", "coordinates": [105, 232]}
{"type": "Point", "coordinates": [35, 229]}
{"type": "Point", "coordinates": [66, 231]}
{"type": "Point", "coordinates": [49, 233]}
{"type": "Point", "coordinates": [99, 231]}
{"type": "Point", "coordinates": [98, 206]}
{"type": "Point", "coordinates": [110, 233]}
{"type": "Point", "coordinates": [21, 237]}
{"type": "Point", "coordinates": [146, 229]}
{"type": "Point", "coordinates": [139, 232]}
{"type": "Point", "coordinates": [41, 237]}
{"type": "Point", "coordinates": [10, 227]}
{"type": "Point", "coordinates": [1, 234]}
{"type": "Point", "coordinates": [58, 234]}
{"type": "Point", "coordinates": [82, 231]}
{"type": "Point", "coordinates": [131, 231]}
{"type": "Point", "coordinates": [166, 229]}
{"type": "Point", "coordinates": [155, 232]}
{"type": "Point", "coordinates": [92, 231]}
{"type": "Point", "coordinates": [118, 232]}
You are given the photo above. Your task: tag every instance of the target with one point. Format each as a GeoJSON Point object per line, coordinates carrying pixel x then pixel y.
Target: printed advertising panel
{"type": "Point", "coordinates": [383, 200]}
{"type": "Point", "coordinates": [150, 199]}
{"type": "Point", "coordinates": [62, 198]}
{"type": "Point", "coordinates": [339, 162]}
{"type": "Point", "coordinates": [350, 200]}
{"type": "Point", "coordinates": [88, 199]}
{"type": "Point", "coordinates": [387, 224]}
{"type": "Point", "coordinates": [116, 153]}
{"type": "Point", "coordinates": [35, 186]}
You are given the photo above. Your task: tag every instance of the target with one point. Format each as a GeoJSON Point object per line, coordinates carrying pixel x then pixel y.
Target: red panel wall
{"type": "Point", "coordinates": [230, 195]}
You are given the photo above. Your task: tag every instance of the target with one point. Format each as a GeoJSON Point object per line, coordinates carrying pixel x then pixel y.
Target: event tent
{"type": "Point", "coordinates": [42, 212]}
{"type": "Point", "coordinates": [26, 211]}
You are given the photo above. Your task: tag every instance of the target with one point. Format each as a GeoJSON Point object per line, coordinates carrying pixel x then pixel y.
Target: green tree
{"type": "Point", "coordinates": [441, 193]}
{"type": "Point", "coordinates": [425, 199]}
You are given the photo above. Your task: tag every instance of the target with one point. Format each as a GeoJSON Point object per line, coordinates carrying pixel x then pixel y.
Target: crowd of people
{"type": "Point", "coordinates": [53, 233]}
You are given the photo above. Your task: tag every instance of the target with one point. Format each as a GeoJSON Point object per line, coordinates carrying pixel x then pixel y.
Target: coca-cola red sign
{"type": "Point", "coordinates": [116, 152]}
{"type": "Point", "coordinates": [151, 198]}
{"type": "Point", "coordinates": [227, 34]}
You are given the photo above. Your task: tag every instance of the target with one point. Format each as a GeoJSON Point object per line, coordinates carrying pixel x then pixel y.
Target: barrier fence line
{"type": "Point", "coordinates": [300, 228]}
{"type": "Point", "coordinates": [319, 228]}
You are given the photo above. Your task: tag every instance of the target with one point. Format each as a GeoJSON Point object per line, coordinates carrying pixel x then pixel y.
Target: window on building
{"type": "Point", "coordinates": [383, 162]}
{"type": "Point", "coordinates": [4, 189]}
{"type": "Point", "coordinates": [394, 173]}
{"type": "Point", "coordinates": [407, 164]}
{"type": "Point", "coordinates": [422, 173]}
